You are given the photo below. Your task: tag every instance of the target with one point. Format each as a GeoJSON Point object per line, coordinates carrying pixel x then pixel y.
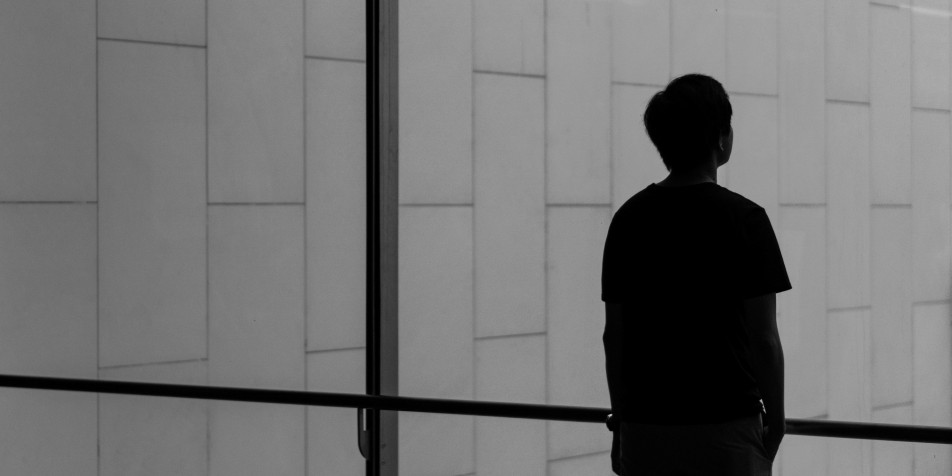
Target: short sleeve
{"type": "Point", "coordinates": [762, 269]}
{"type": "Point", "coordinates": [611, 263]}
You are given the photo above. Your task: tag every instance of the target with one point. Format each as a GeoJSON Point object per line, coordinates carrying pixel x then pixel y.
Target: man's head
{"type": "Point", "coordinates": [689, 120]}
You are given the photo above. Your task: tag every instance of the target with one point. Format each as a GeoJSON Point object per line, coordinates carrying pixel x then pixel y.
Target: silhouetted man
{"type": "Point", "coordinates": [689, 279]}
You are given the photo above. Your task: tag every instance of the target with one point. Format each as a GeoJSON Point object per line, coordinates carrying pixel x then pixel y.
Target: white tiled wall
{"type": "Point", "coordinates": [847, 183]}
{"type": "Point", "coordinates": [335, 29]}
{"type": "Point", "coordinates": [509, 36]}
{"type": "Point", "coordinates": [509, 216]}
{"type": "Point", "coordinates": [255, 101]}
{"type": "Point", "coordinates": [847, 50]}
{"type": "Point", "coordinates": [330, 431]}
{"type": "Point", "coordinates": [180, 22]}
{"type": "Point", "coordinates": [630, 145]}
{"type": "Point", "coordinates": [892, 457]}
{"type": "Point", "coordinates": [890, 107]}
{"type": "Point", "coordinates": [151, 435]}
{"type": "Point", "coordinates": [931, 369]}
{"type": "Point", "coordinates": [699, 38]}
{"type": "Point", "coordinates": [931, 198]}
{"type": "Point", "coordinates": [841, 133]}
{"type": "Point", "coordinates": [48, 289]}
{"type": "Point", "coordinates": [930, 53]}
{"type": "Point", "coordinates": [576, 374]}
{"type": "Point", "coordinates": [436, 118]}
{"type": "Point", "coordinates": [752, 46]}
{"type": "Point", "coordinates": [802, 310]}
{"type": "Point", "coordinates": [511, 369]}
{"type": "Point", "coordinates": [48, 432]}
{"type": "Point", "coordinates": [578, 91]}
{"type": "Point", "coordinates": [256, 296]}
{"type": "Point", "coordinates": [802, 91]}
{"type": "Point", "coordinates": [520, 132]}
{"type": "Point", "coordinates": [891, 268]}
{"type": "Point", "coordinates": [335, 206]}
{"type": "Point", "coordinates": [641, 42]}
{"type": "Point", "coordinates": [151, 203]}
{"type": "Point", "coordinates": [48, 131]}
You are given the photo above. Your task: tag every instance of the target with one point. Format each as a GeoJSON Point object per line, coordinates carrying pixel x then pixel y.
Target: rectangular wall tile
{"type": "Point", "coordinates": [932, 367]}
{"type": "Point", "coordinates": [256, 296]}
{"type": "Point", "coordinates": [510, 205]}
{"type": "Point", "coordinates": [849, 387]}
{"type": "Point", "coordinates": [594, 464]}
{"type": "Point", "coordinates": [251, 439]}
{"type": "Point", "coordinates": [802, 89]}
{"type": "Point", "coordinates": [255, 101]}
{"type": "Point", "coordinates": [753, 169]}
{"type": "Point", "coordinates": [510, 369]}
{"type": "Point", "coordinates": [893, 457]}
{"type": "Point", "coordinates": [436, 101]}
{"type": "Point", "coordinates": [48, 290]}
{"type": "Point", "coordinates": [509, 36]}
{"type": "Point", "coordinates": [336, 204]}
{"type": "Point", "coordinates": [930, 205]}
{"type": "Point", "coordinates": [436, 336]}
{"type": "Point", "coordinates": [848, 205]}
{"type": "Point", "coordinates": [803, 455]}
{"type": "Point", "coordinates": [436, 302]}
{"type": "Point", "coordinates": [635, 160]}
{"type": "Point", "coordinates": [847, 50]}
{"type": "Point", "coordinates": [641, 41]}
{"type": "Point", "coordinates": [752, 39]}
{"type": "Point", "coordinates": [436, 444]}
{"type": "Point", "coordinates": [890, 105]}
{"type": "Point", "coordinates": [930, 53]}
{"type": "Point", "coordinates": [55, 432]}
{"type": "Point", "coordinates": [151, 203]}
{"type": "Point", "coordinates": [154, 435]}
{"type": "Point", "coordinates": [576, 319]}
{"type": "Point", "coordinates": [578, 92]}
{"type": "Point", "coordinates": [699, 38]}
{"type": "Point", "coordinates": [802, 310]}
{"type": "Point", "coordinates": [48, 134]}
{"type": "Point", "coordinates": [181, 22]}
{"type": "Point", "coordinates": [335, 29]}
{"type": "Point", "coordinates": [891, 305]}
{"type": "Point", "coordinates": [330, 433]}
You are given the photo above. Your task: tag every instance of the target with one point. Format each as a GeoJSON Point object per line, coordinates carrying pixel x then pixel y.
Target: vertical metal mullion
{"type": "Point", "coordinates": [381, 275]}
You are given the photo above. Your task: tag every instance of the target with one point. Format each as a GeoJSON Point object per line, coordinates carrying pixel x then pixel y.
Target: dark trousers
{"type": "Point", "coordinates": [733, 448]}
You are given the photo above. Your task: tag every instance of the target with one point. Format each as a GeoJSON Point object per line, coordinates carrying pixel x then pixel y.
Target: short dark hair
{"type": "Point", "coordinates": [687, 118]}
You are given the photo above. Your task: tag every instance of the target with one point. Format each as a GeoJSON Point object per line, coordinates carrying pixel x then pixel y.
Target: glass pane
{"type": "Point", "coordinates": [521, 133]}
{"type": "Point", "coordinates": [803, 455]}
{"type": "Point", "coordinates": [182, 200]}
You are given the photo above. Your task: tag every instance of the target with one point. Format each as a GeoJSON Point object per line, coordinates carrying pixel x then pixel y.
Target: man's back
{"type": "Point", "coordinates": [682, 260]}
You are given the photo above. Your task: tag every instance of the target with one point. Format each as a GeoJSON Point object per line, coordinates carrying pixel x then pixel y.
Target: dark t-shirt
{"type": "Point", "coordinates": [682, 260]}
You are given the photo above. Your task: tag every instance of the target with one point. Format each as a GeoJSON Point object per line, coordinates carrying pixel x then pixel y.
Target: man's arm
{"type": "Point", "coordinates": [760, 318]}
{"type": "Point", "coordinates": [613, 341]}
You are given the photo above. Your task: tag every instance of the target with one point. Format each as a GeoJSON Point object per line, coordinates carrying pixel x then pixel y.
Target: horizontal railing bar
{"type": "Point", "coordinates": [324, 399]}
{"type": "Point", "coordinates": [795, 426]}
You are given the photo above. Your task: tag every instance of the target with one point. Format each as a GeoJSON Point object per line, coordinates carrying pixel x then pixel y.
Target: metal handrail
{"type": "Point", "coordinates": [795, 426]}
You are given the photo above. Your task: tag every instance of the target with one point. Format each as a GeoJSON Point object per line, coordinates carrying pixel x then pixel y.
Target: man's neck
{"type": "Point", "coordinates": [701, 174]}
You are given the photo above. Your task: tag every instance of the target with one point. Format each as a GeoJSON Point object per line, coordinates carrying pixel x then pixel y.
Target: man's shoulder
{"type": "Point", "coordinates": [735, 200]}
{"type": "Point", "coordinates": [715, 195]}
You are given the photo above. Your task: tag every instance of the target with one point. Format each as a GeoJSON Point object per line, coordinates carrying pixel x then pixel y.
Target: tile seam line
{"type": "Point", "coordinates": [151, 42]}
{"type": "Point", "coordinates": [332, 58]}
{"type": "Point", "coordinates": [145, 364]}
{"type": "Point", "coordinates": [582, 455]}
